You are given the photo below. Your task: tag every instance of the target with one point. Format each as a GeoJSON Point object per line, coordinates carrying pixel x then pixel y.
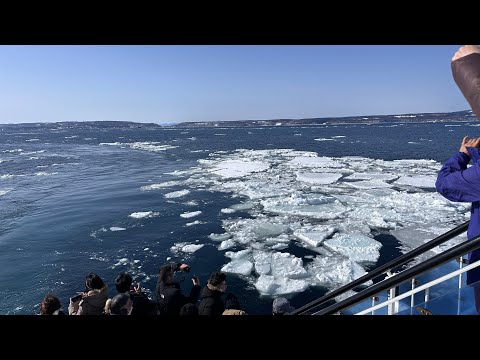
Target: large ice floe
{"type": "Point", "coordinates": [329, 209]}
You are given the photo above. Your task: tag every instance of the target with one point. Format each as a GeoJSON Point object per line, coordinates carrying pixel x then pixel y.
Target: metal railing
{"type": "Point", "coordinates": [404, 276]}
{"type": "Point", "coordinates": [382, 270]}
{"type": "Point", "coordinates": [420, 288]}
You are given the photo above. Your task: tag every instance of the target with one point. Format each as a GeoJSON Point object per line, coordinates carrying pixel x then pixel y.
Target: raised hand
{"type": "Point", "coordinates": [466, 50]}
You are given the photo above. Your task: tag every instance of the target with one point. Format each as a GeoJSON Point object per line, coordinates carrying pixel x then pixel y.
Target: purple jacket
{"type": "Point", "coordinates": [457, 183]}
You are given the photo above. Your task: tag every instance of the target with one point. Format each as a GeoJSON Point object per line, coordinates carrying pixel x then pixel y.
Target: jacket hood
{"type": "Point", "coordinates": [206, 292]}
{"type": "Point", "coordinates": [97, 297]}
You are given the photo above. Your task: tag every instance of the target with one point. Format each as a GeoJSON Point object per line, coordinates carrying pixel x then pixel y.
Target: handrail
{"type": "Point", "coordinates": [420, 288]}
{"type": "Point", "coordinates": [391, 282]}
{"type": "Point", "coordinates": [384, 268]}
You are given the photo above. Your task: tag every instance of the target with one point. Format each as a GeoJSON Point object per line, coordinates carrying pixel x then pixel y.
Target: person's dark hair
{"type": "Point", "coordinates": [189, 309]}
{"type": "Point", "coordinates": [123, 282]}
{"type": "Point", "coordinates": [231, 302]}
{"type": "Point", "coordinates": [49, 305]}
{"type": "Point", "coordinates": [216, 278]}
{"type": "Point", "coordinates": [165, 272]}
{"type": "Point", "coordinates": [93, 281]}
{"type": "Point", "coordinates": [117, 306]}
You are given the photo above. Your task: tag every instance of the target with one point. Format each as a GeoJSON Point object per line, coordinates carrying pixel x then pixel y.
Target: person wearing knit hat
{"type": "Point", "coordinates": [281, 306]}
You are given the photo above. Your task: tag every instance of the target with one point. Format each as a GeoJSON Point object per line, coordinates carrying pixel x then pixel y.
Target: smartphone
{"type": "Point", "coordinates": [76, 298]}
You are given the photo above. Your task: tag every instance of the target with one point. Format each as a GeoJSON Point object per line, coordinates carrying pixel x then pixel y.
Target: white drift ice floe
{"type": "Point", "coordinates": [331, 206]}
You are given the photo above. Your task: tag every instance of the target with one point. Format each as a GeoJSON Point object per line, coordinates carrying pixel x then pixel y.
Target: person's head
{"type": "Point", "coordinates": [166, 274]}
{"type": "Point", "coordinates": [231, 302]}
{"type": "Point", "coordinates": [281, 306]}
{"type": "Point", "coordinates": [123, 282]}
{"type": "Point", "coordinates": [121, 305]}
{"type": "Point", "coordinates": [189, 309]}
{"type": "Point", "coordinates": [93, 282]}
{"type": "Point", "coordinates": [218, 281]}
{"type": "Point", "coordinates": [50, 305]}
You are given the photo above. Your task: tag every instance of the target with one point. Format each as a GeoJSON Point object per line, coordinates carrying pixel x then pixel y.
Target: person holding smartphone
{"type": "Point", "coordinates": [169, 296]}
{"type": "Point", "coordinates": [456, 181]}
{"type": "Point", "coordinates": [92, 300]}
{"type": "Point", "coordinates": [141, 304]}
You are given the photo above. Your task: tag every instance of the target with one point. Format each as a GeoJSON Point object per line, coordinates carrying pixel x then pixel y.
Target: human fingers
{"type": "Point", "coordinates": [466, 50]}
{"type": "Point", "coordinates": [474, 143]}
{"type": "Point", "coordinates": [458, 54]}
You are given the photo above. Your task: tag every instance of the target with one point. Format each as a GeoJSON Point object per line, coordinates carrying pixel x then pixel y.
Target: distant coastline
{"type": "Point", "coordinates": [458, 116]}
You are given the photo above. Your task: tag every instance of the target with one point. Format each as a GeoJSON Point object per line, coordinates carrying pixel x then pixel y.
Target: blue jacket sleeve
{"type": "Point", "coordinates": [457, 183]}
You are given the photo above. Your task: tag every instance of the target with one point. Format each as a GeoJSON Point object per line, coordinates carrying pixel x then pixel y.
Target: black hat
{"type": "Point", "coordinates": [231, 302]}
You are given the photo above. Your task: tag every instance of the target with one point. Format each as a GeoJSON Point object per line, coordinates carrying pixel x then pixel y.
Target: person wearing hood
{"type": "Point", "coordinates": [455, 181]}
{"type": "Point", "coordinates": [232, 306]}
{"type": "Point", "coordinates": [211, 303]}
{"type": "Point", "coordinates": [93, 299]}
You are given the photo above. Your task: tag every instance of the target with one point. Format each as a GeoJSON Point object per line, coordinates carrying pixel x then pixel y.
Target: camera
{"type": "Point", "coordinates": [76, 298]}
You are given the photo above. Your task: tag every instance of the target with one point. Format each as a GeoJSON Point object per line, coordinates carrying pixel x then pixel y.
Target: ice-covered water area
{"type": "Point", "coordinates": [331, 206]}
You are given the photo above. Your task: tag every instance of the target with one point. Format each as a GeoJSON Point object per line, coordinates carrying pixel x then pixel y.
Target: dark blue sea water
{"type": "Point", "coordinates": [61, 192]}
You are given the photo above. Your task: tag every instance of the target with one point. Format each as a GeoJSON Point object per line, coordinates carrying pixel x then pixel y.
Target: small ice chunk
{"type": "Point", "coordinates": [287, 265]}
{"type": "Point", "coordinates": [115, 228]}
{"type": "Point", "coordinates": [188, 215]}
{"type": "Point", "coordinates": [238, 168]}
{"type": "Point", "coordinates": [177, 194]}
{"type": "Point", "coordinates": [227, 244]}
{"type": "Point", "coordinates": [196, 222]}
{"type": "Point", "coordinates": [227, 211]}
{"type": "Point", "coordinates": [160, 186]}
{"type": "Point", "coordinates": [219, 237]}
{"type": "Point", "coordinates": [237, 255]}
{"type": "Point", "coordinates": [122, 261]}
{"type": "Point", "coordinates": [421, 181]}
{"type": "Point", "coordinates": [318, 178]}
{"type": "Point", "coordinates": [316, 235]}
{"type": "Point", "coordinates": [238, 266]}
{"type": "Point", "coordinates": [243, 206]}
{"type": "Point", "coordinates": [191, 248]}
{"type": "Point", "coordinates": [334, 271]}
{"type": "Point", "coordinates": [357, 247]}
{"type": "Point", "coordinates": [269, 229]}
{"type": "Point", "coordinates": [141, 214]}
{"type": "Point", "coordinates": [269, 285]}
{"type": "Point", "coordinates": [146, 249]}
{"type": "Point", "coordinates": [263, 261]}
{"type": "Point", "coordinates": [328, 211]}
{"type": "Point", "coordinates": [178, 246]}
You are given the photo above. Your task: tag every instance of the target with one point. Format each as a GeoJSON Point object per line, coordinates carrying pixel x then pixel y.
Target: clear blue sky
{"type": "Point", "coordinates": [165, 84]}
